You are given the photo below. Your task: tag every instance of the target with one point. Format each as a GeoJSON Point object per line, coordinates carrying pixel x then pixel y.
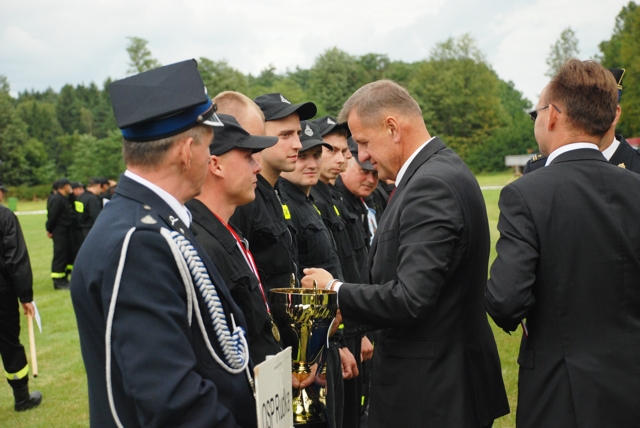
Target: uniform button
{"type": "Point", "coordinates": [146, 207]}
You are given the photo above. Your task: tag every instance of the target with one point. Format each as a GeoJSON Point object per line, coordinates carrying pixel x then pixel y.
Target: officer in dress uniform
{"type": "Point", "coordinates": [162, 340]}
{"type": "Point", "coordinates": [16, 283]}
{"type": "Point", "coordinates": [59, 220]}
{"type": "Point", "coordinates": [614, 147]}
{"type": "Point", "coordinates": [230, 182]}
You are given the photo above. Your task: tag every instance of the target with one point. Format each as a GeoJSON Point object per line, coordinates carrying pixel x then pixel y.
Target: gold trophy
{"type": "Point", "coordinates": [304, 317]}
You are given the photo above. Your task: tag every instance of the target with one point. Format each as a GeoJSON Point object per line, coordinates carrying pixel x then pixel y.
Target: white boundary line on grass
{"type": "Point", "coordinates": [30, 212]}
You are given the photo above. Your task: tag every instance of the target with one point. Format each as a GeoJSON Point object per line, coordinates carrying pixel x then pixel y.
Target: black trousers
{"type": "Point", "coordinates": [353, 387]}
{"type": "Point", "coordinates": [14, 358]}
{"type": "Point", "coordinates": [62, 251]}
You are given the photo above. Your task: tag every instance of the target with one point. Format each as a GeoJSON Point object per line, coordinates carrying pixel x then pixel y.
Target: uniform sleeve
{"type": "Point", "coordinates": [16, 257]}
{"type": "Point", "coordinates": [430, 226]}
{"type": "Point", "coordinates": [53, 213]}
{"type": "Point", "coordinates": [93, 207]}
{"type": "Point", "coordinates": [152, 346]}
{"type": "Point", "coordinates": [508, 296]}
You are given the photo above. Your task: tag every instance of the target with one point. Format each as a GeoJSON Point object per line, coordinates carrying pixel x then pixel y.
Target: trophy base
{"type": "Point", "coordinates": [308, 412]}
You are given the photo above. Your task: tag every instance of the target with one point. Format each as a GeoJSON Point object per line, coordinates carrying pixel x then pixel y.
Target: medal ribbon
{"type": "Point", "coordinates": [250, 261]}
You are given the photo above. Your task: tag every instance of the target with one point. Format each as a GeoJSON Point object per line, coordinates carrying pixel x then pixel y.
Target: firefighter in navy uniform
{"type": "Point", "coordinates": [264, 222]}
{"type": "Point", "coordinates": [335, 217]}
{"type": "Point", "coordinates": [16, 282]}
{"type": "Point", "coordinates": [59, 221]}
{"type": "Point", "coordinates": [357, 183]}
{"type": "Point", "coordinates": [614, 147]}
{"type": "Point", "coordinates": [149, 302]}
{"type": "Point", "coordinates": [230, 183]}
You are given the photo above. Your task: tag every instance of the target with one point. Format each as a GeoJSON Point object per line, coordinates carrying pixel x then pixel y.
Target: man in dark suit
{"type": "Point", "coordinates": [162, 339]}
{"type": "Point", "coordinates": [436, 363]}
{"type": "Point", "coordinates": [568, 262]}
{"type": "Point", "coordinates": [614, 147]}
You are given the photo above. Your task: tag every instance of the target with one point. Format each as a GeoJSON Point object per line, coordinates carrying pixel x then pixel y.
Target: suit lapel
{"type": "Point", "coordinates": [429, 150]}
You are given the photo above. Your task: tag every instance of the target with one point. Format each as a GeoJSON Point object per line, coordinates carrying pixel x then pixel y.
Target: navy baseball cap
{"type": "Point", "coordinates": [162, 102]}
{"type": "Point", "coordinates": [311, 137]}
{"type": "Point", "coordinates": [234, 136]}
{"type": "Point", "coordinates": [328, 124]}
{"type": "Point", "coordinates": [353, 148]}
{"type": "Point", "coordinates": [275, 106]}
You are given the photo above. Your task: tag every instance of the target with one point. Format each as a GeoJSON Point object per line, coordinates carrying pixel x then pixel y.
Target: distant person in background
{"type": "Point", "coordinates": [105, 194]}
{"type": "Point", "coordinates": [59, 229]}
{"type": "Point", "coordinates": [88, 206]}
{"type": "Point", "coordinates": [77, 189]}
{"type": "Point", "coordinates": [16, 282]}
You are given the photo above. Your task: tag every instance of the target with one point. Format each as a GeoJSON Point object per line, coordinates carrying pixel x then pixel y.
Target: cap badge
{"type": "Point", "coordinates": [284, 100]}
{"type": "Point", "coordinates": [308, 131]}
{"type": "Point", "coordinates": [330, 122]}
{"type": "Point", "coordinates": [148, 220]}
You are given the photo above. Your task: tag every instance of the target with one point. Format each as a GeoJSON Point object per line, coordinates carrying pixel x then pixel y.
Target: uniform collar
{"type": "Point", "coordinates": [181, 211]}
{"type": "Point", "coordinates": [609, 151]}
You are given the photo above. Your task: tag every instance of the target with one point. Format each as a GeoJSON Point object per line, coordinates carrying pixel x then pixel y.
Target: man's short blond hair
{"type": "Point", "coordinates": [374, 99]}
{"type": "Point", "coordinates": [235, 104]}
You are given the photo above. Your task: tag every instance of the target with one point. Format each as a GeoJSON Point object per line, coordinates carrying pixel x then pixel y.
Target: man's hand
{"type": "Point", "coordinates": [29, 310]}
{"type": "Point", "coordinates": [349, 365]}
{"type": "Point", "coordinates": [321, 276]}
{"type": "Point", "coordinates": [49, 235]}
{"type": "Point", "coordinates": [302, 380]}
{"type": "Point", "coordinates": [366, 349]}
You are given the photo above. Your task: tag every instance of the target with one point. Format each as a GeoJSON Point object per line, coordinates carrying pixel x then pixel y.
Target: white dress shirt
{"type": "Point", "coordinates": [608, 153]}
{"type": "Point", "coordinates": [567, 148]}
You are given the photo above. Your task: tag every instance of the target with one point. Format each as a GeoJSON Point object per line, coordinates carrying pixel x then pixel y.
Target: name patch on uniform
{"type": "Point", "coordinates": [287, 213]}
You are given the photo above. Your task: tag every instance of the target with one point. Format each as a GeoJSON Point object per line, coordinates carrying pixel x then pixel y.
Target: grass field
{"type": "Point", "coordinates": [61, 377]}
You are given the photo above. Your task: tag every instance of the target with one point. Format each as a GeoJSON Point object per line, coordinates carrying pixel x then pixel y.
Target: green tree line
{"type": "Point", "coordinates": [46, 134]}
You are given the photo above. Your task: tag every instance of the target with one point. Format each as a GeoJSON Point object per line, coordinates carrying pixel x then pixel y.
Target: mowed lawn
{"type": "Point", "coordinates": [61, 376]}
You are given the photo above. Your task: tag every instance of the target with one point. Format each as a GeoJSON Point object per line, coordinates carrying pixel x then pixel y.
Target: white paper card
{"type": "Point", "coordinates": [273, 391]}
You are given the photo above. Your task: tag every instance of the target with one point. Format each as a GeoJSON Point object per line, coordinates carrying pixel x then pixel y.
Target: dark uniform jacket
{"type": "Point", "coordinates": [162, 372]}
{"type": "Point", "coordinates": [357, 206]}
{"type": "Point", "coordinates": [316, 248]}
{"type": "Point", "coordinates": [353, 209]}
{"type": "Point", "coordinates": [625, 156]}
{"type": "Point", "coordinates": [243, 284]}
{"type": "Point", "coordinates": [333, 218]}
{"type": "Point", "coordinates": [264, 223]}
{"type": "Point", "coordinates": [436, 362]}
{"type": "Point", "coordinates": [568, 262]}
{"type": "Point", "coordinates": [88, 206]}
{"type": "Point", "coordinates": [59, 212]}
{"type": "Point", "coordinates": [15, 267]}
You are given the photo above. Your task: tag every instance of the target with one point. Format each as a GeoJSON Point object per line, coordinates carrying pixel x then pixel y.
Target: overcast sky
{"type": "Point", "coordinates": [49, 43]}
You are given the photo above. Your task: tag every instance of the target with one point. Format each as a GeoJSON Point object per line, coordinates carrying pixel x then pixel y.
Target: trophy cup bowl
{"type": "Point", "coordinates": [304, 317]}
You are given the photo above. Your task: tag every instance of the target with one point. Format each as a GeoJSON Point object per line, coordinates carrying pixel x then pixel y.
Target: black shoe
{"type": "Point", "coordinates": [26, 401]}
{"type": "Point", "coordinates": [60, 284]}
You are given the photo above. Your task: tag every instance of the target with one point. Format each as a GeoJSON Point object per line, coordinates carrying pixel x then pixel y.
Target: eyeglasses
{"type": "Point", "coordinates": [534, 113]}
